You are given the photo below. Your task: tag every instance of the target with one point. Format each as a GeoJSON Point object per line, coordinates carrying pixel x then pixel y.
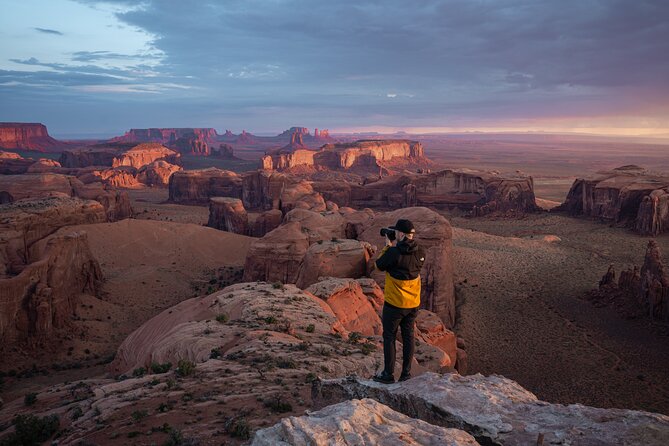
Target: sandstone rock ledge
{"type": "Point", "coordinates": [359, 422]}
{"type": "Point", "coordinates": [498, 411]}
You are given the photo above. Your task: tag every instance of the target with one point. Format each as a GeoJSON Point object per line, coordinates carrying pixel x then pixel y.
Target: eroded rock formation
{"type": "Point", "coordinates": [627, 195]}
{"type": "Point", "coordinates": [228, 214]}
{"type": "Point", "coordinates": [198, 186]}
{"type": "Point", "coordinates": [114, 156]}
{"type": "Point", "coordinates": [498, 411]}
{"type": "Point", "coordinates": [168, 136]}
{"type": "Point", "coordinates": [365, 155]}
{"type": "Point", "coordinates": [654, 284]}
{"type": "Point", "coordinates": [334, 258]}
{"type": "Point", "coordinates": [27, 136]}
{"type": "Point", "coordinates": [19, 187]}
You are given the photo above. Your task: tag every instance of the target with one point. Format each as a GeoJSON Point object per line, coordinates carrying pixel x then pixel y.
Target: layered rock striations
{"type": "Point", "coordinates": [365, 155]}
{"type": "Point", "coordinates": [27, 136]}
{"type": "Point", "coordinates": [228, 214]}
{"type": "Point", "coordinates": [627, 195]}
{"type": "Point", "coordinates": [477, 192]}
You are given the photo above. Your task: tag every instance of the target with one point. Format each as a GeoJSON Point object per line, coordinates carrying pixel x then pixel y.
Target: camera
{"type": "Point", "coordinates": [387, 232]}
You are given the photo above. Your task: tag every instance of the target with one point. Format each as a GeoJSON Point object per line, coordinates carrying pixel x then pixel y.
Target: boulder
{"type": "Point", "coordinates": [334, 258]}
{"type": "Point", "coordinates": [319, 226]}
{"type": "Point", "coordinates": [498, 411]}
{"type": "Point", "coordinates": [431, 330]}
{"type": "Point", "coordinates": [228, 214]}
{"type": "Point", "coordinates": [277, 255]}
{"type": "Point", "coordinates": [361, 423]}
{"type": "Point", "coordinates": [354, 309]}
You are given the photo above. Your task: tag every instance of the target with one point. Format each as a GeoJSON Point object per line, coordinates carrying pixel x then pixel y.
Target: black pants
{"type": "Point", "coordinates": [391, 318]}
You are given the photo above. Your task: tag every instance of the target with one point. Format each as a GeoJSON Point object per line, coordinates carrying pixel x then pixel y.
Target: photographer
{"type": "Point", "coordinates": [401, 259]}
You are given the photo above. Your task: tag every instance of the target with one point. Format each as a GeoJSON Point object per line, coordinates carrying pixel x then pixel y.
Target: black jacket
{"type": "Point", "coordinates": [403, 261]}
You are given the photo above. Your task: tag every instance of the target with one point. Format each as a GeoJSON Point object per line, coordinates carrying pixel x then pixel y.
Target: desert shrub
{"type": "Point", "coordinates": [286, 363]}
{"type": "Point", "coordinates": [277, 405]}
{"type": "Point", "coordinates": [30, 399]}
{"type": "Point", "coordinates": [222, 318]}
{"type": "Point", "coordinates": [140, 371]}
{"type": "Point", "coordinates": [30, 430]}
{"type": "Point", "coordinates": [185, 368]}
{"type": "Point", "coordinates": [278, 286]}
{"type": "Point", "coordinates": [354, 337]}
{"type": "Point", "coordinates": [238, 428]}
{"type": "Point", "coordinates": [160, 368]}
{"type": "Point", "coordinates": [269, 319]}
{"type": "Point", "coordinates": [139, 415]}
{"type": "Point", "coordinates": [311, 328]}
{"type": "Point", "coordinates": [77, 412]}
{"type": "Point", "coordinates": [311, 377]}
{"type": "Point", "coordinates": [367, 348]}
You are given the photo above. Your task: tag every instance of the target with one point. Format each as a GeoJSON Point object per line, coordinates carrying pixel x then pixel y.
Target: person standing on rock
{"type": "Point", "coordinates": [402, 259]}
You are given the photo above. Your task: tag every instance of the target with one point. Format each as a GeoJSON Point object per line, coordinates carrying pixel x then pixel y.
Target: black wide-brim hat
{"type": "Point", "coordinates": [405, 226]}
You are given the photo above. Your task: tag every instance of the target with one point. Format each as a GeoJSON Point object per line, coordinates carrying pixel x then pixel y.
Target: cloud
{"type": "Point", "coordinates": [49, 31]}
{"type": "Point", "coordinates": [341, 61]}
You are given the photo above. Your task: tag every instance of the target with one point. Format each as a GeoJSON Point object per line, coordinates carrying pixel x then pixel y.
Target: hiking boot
{"type": "Point", "coordinates": [384, 378]}
{"type": "Point", "coordinates": [404, 377]}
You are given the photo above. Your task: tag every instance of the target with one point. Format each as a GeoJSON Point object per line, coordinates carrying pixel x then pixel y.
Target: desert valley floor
{"type": "Point", "coordinates": [521, 286]}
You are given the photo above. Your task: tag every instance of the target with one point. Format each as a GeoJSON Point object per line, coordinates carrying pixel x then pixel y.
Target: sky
{"type": "Point", "coordinates": [87, 67]}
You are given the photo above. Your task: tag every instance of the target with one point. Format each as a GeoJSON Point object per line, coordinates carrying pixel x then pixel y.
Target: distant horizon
{"type": "Point", "coordinates": [97, 66]}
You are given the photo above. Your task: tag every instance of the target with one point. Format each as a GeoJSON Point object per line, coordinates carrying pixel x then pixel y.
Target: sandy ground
{"type": "Point", "coordinates": [148, 266]}
{"type": "Point", "coordinates": [523, 314]}
{"type": "Point", "coordinates": [151, 204]}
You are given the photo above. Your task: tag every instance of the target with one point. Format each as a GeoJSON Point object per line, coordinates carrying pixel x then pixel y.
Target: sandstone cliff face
{"type": "Point", "coordinates": [137, 156]}
{"type": "Point", "coordinates": [43, 297]}
{"type": "Point", "coordinates": [627, 195]}
{"type": "Point", "coordinates": [198, 186]}
{"type": "Point", "coordinates": [157, 173]}
{"type": "Point", "coordinates": [24, 223]}
{"type": "Point", "coordinates": [334, 258]}
{"type": "Point", "coordinates": [14, 135]}
{"type": "Point", "coordinates": [366, 155]}
{"type": "Point", "coordinates": [498, 411]}
{"type": "Point", "coordinates": [228, 214]}
{"type": "Point", "coordinates": [654, 284]}
{"type": "Point", "coordinates": [477, 192]}
{"type": "Point", "coordinates": [89, 156]}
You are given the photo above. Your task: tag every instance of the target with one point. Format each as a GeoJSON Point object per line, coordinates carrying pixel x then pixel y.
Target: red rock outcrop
{"type": "Point", "coordinates": [43, 297]}
{"type": "Point", "coordinates": [19, 187]}
{"type": "Point", "coordinates": [262, 189]}
{"type": "Point", "coordinates": [434, 232]}
{"type": "Point", "coordinates": [224, 151]}
{"type": "Point", "coordinates": [354, 309]}
{"type": "Point", "coordinates": [122, 177]}
{"type": "Point", "coordinates": [277, 255]}
{"type": "Point", "coordinates": [157, 173]}
{"type": "Point", "coordinates": [334, 258]}
{"type": "Point", "coordinates": [43, 165]}
{"type": "Point", "coordinates": [319, 226]}
{"type": "Point", "coordinates": [27, 136]}
{"type": "Point", "coordinates": [478, 192]}
{"type": "Point", "coordinates": [136, 156]}
{"type": "Point", "coordinates": [654, 284]}
{"type": "Point", "coordinates": [24, 223]}
{"type": "Point", "coordinates": [228, 214]}
{"type": "Point", "coordinates": [89, 156]}
{"type": "Point", "coordinates": [198, 186]}
{"type": "Point", "coordinates": [627, 195]}
{"type": "Point", "coordinates": [144, 154]}
{"type": "Point", "coordinates": [168, 136]}
{"type": "Point", "coordinates": [365, 155]}
{"type": "Point", "coordinates": [266, 222]}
